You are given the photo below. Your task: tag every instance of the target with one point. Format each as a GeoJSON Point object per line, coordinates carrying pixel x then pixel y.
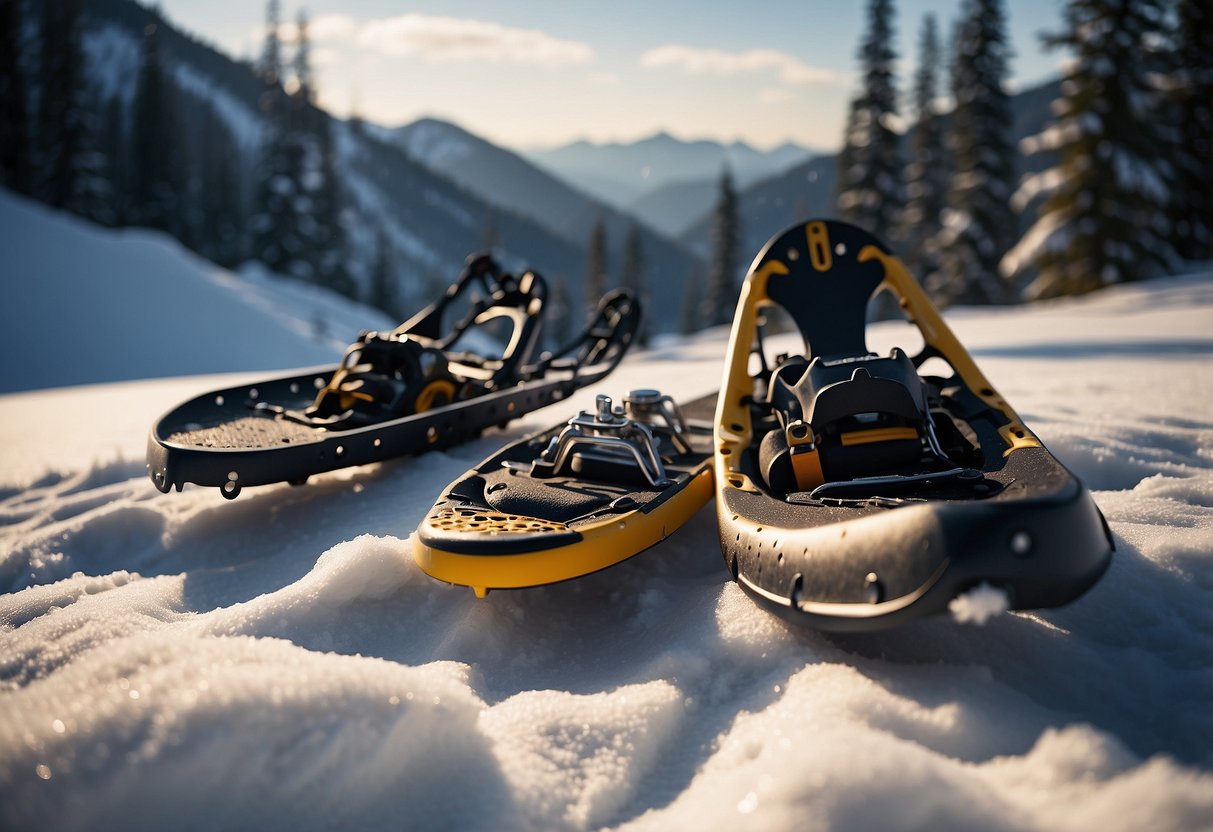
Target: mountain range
{"type": "Point", "coordinates": [808, 189]}
{"type": "Point", "coordinates": [622, 173]}
{"type": "Point", "coordinates": [511, 183]}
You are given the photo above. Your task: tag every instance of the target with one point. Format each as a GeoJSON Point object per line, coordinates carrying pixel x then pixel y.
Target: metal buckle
{"type": "Point", "coordinates": [628, 434]}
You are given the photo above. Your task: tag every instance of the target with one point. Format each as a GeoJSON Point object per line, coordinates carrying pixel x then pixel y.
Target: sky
{"type": "Point", "coordinates": [544, 73]}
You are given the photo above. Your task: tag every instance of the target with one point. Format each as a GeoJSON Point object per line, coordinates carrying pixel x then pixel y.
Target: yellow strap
{"type": "Point", "coordinates": [867, 437]}
{"type": "Point", "coordinates": [807, 466]}
{"type": "Point", "coordinates": [430, 394]}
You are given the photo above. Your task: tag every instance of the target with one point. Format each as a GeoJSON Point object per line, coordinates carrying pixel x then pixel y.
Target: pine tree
{"type": "Point", "coordinates": [869, 175]}
{"type": "Point", "coordinates": [631, 277]}
{"type": "Point", "coordinates": [71, 172]}
{"type": "Point", "coordinates": [490, 234]}
{"type": "Point", "coordinates": [689, 317]}
{"type": "Point", "coordinates": [595, 268]}
{"type": "Point", "coordinates": [114, 148]}
{"type": "Point", "coordinates": [721, 299]}
{"type": "Point", "coordinates": [979, 226]}
{"type": "Point", "coordinates": [323, 229]}
{"type": "Point", "coordinates": [1193, 96]}
{"type": "Point", "coordinates": [1104, 218]}
{"type": "Point", "coordinates": [927, 173]}
{"type": "Point", "coordinates": [219, 194]}
{"type": "Point", "coordinates": [157, 190]}
{"type": "Point", "coordinates": [321, 182]}
{"type": "Point", "coordinates": [298, 225]}
{"type": "Point", "coordinates": [276, 238]}
{"type": "Point", "coordinates": [14, 113]}
{"type": "Point", "coordinates": [559, 315]}
{"type": "Point", "coordinates": [383, 294]}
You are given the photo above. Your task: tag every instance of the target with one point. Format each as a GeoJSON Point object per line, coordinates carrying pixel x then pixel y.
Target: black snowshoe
{"type": "Point", "coordinates": [853, 492]}
{"type": "Point", "coordinates": [427, 384]}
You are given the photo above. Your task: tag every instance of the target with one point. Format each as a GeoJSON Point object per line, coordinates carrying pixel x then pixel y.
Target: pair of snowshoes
{"type": "Point", "coordinates": [853, 491]}
{"type": "Point", "coordinates": [467, 362]}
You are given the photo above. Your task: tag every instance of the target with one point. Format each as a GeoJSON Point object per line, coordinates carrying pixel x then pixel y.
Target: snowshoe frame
{"type": "Point", "coordinates": [190, 443]}
{"type": "Point", "coordinates": [848, 561]}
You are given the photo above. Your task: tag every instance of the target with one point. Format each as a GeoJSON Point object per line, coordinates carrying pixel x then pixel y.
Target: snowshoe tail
{"type": "Point", "coordinates": [854, 492]}
{"type": "Point", "coordinates": [573, 499]}
{"type": "Point", "coordinates": [427, 384]}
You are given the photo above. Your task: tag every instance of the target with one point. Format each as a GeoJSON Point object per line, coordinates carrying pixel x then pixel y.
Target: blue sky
{"type": "Point", "coordinates": [545, 73]}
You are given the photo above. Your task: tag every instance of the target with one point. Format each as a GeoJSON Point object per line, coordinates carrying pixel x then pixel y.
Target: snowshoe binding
{"type": "Point", "coordinates": [573, 499]}
{"type": "Point", "coordinates": [427, 384]}
{"type": "Point", "coordinates": [855, 493]}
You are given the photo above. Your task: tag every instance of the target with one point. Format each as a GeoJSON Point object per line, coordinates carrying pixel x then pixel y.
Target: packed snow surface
{"type": "Point", "coordinates": [183, 662]}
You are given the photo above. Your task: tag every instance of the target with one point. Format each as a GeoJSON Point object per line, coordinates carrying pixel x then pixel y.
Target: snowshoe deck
{"type": "Point", "coordinates": [855, 493]}
{"type": "Point", "coordinates": [573, 499]}
{"type": "Point", "coordinates": [423, 386]}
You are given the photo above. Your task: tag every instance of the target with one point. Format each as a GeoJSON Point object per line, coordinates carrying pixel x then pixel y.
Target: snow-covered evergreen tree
{"type": "Point", "coordinates": [115, 148]}
{"type": "Point", "coordinates": [157, 186]}
{"type": "Point", "coordinates": [689, 318]}
{"type": "Point", "coordinates": [218, 191]}
{"type": "Point", "coordinates": [558, 318]}
{"type": "Point", "coordinates": [323, 229]}
{"type": "Point", "coordinates": [490, 232]}
{"type": "Point", "coordinates": [631, 277]}
{"type": "Point", "coordinates": [927, 173]}
{"type": "Point", "coordinates": [1193, 97]}
{"type": "Point", "coordinates": [276, 237]}
{"type": "Point", "coordinates": [298, 225]}
{"type": "Point", "coordinates": [1104, 217]}
{"type": "Point", "coordinates": [71, 171]}
{"type": "Point", "coordinates": [979, 225]}
{"type": "Point", "coordinates": [595, 267]}
{"type": "Point", "coordinates": [383, 292]}
{"type": "Point", "coordinates": [870, 171]}
{"type": "Point", "coordinates": [720, 301]}
{"type": "Point", "coordinates": [14, 110]}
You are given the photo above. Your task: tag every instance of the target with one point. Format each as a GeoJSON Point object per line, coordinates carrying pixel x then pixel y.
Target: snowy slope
{"type": "Point", "coordinates": [84, 304]}
{"type": "Point", "coordinates": [178, 661]}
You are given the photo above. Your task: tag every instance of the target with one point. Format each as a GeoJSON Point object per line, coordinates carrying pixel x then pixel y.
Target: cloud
{"type": "Point", "coordinates": [604, 79]}
{"type": "Point", "coordinates": [325, 28]}
{"type": "Point", "coordinates": [329, 27]}
{"type": "Point", "coordinates": [437, 38]}
{"type": "Point", "coordinates": [464, 39]}
{"type": "Point", "coordinates": [325, 56]}
{"type": "Point", "coordinates": [776, 95]}
{"type": "Point", "coordinates": [697, 61]}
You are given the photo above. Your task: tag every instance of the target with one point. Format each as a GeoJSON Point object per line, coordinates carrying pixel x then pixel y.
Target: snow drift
{"type": "Point", "coordinates": [85, 304]}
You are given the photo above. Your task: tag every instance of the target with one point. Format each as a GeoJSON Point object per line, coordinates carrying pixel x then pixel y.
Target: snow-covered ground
{"type": "Point", "coordinates": [181, 661]}
{"type": "Point", "coordinates": [84, 304]}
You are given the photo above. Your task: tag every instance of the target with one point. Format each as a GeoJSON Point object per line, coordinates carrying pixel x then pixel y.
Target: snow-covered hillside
{"type": "Point", "coordinates": [179, 661]}
{"type": "Point", "coordinates": [84, 304]}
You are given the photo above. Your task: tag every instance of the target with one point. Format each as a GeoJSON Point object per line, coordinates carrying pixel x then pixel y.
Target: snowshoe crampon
{"type": "Point", "coordinates": [428, 384]}
{"type": "Point", "coordinates": [854, 492]}
{"type": "Point", "coordinates": [573, 499]}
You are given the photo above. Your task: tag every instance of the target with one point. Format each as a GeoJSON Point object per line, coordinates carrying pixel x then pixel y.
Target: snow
{"type": "Point", "coordinates": [245, 125]}
{"type": "Point", "coordinates": [85, 305]}
{"type": "Point", "coordinates": [179, 661]}
{"type": "Point", "coordinates": [979, 604]}
{"type": "Point", "coordinates": [113, 59]}
{"type": "Point", "coordinates": [432, 143]}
